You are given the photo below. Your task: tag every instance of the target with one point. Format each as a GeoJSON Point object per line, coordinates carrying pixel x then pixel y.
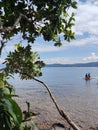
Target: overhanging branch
{"type": "Point", "coordinates": [61, 112]}
{"type": "Point", "coordinates": [10, 28]}
{"type": "Point", "coordinates": [2, 46]}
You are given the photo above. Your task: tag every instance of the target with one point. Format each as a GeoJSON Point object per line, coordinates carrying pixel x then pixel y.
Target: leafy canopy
{"type": "Point", "coordinates": [34, 18]}
{"type": "Point", "coordinates": [24, 61]}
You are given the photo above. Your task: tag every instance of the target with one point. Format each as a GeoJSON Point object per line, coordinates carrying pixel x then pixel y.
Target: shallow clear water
{"type": "Point", "coordinates": [73, 93]}
{"type": "Point", "coordinates": [63, 78]}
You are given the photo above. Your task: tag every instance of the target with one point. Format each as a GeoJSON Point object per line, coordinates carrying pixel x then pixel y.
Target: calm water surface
{"type": "Point", "coordinates": [59, 78]}
{"type": "Point", "coordinates": [73, 93]}
{"type": "Point", "coordinates": [70, 78]}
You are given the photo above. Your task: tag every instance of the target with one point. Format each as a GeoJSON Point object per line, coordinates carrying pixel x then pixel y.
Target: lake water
{"type": "Point", "coordinates": [75, 95]}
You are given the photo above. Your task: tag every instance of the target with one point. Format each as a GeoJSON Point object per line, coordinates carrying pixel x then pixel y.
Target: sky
{"type": "Point", "coordinates": [82, 50]}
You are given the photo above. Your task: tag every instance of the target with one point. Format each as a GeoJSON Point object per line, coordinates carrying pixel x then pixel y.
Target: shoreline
{"type": "Point", "coordinates": [75, 96]}
{"type": "Point", "coordinates": [40, 102]}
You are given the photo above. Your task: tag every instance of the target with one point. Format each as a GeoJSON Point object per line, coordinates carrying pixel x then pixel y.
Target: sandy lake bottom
{"type": "Point", "coordinates": [83, 111]}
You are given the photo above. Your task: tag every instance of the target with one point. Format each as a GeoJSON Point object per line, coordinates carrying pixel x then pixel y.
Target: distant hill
{"type": "Point", "coordinates": [90, 64]}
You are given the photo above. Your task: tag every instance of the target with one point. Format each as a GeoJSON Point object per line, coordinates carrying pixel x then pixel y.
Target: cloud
{"type": "Point", "coordinates": [58, 60]}
{"type": "Point", "coordinates": [1, 60]}
{"type": "Point", "coordinates": [92, 57]}
{"type": "Point", "coordinates": [86, 29]}
{"type": "Point", "coordinates": [96, 2]}
{"type": "Point", "coordinates": [1, 63]}
{"type": "Point", "coordinates": [86, 16]}
{"type": "Point", "coordinates": [88, 40]}
{"type": "Point", "coordinates": [92, 1]}
{"type": "Point", "coordinates": [45, 48]}
{"type": "Point", "coordinates": [86, 23]}
{"type": "Point", "coordinates": [91, 39]}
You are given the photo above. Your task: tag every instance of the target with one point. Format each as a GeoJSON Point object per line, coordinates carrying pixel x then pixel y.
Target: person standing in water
{"type": "Point", "coordinates": [87, 76]}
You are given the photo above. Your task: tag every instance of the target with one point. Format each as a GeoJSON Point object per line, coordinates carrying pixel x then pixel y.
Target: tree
{"type": "Point", "coordinates": [32, 19]}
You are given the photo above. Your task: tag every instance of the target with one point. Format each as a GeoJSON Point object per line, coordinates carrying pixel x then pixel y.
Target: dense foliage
{"type": "Point", "coordinates": [24, 62]}
{"type": "Point", "coordinates": [10, 112]}
{"type": "Point", "coordinates": [32, 19]}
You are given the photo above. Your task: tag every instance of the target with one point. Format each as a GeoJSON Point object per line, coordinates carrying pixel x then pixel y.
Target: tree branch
{"type": "Point", "coordinates": [6, 29]}
{"type": "Point", "coordinates": [10, 28]}
{"type": "Point", "coordinates": [61, 112]}
{"type": "Point", "coordinates": [1, 47]}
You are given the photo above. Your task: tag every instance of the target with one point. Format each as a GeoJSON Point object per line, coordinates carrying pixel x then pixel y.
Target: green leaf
{"type": "Point", "coordinates": [24, 61]}
{"type": "Point", "coordinates": [1, 84]}
{"type": "Point", "coordinates": [35, 126]}
{"type": "Point", "coordinates": [16, 110]}
{"type": "Point", "coordinates": [58, 44]}
{"type": "Point", "coordinates": [74, 4]}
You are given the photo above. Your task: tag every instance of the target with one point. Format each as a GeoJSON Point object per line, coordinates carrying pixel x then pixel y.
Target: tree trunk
{"type": "Point", "coordinates": [61, 112]}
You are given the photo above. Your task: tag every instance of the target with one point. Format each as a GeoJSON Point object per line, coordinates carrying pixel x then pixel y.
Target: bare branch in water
{"type": "Point", "coordinates": [61, 112]}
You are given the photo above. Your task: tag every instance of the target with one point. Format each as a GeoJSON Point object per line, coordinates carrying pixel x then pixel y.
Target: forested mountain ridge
{"type": "Point", "coordinates": [90, 64]}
